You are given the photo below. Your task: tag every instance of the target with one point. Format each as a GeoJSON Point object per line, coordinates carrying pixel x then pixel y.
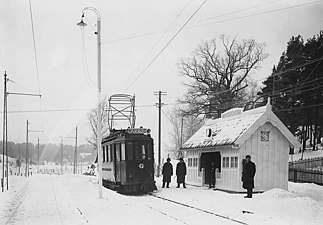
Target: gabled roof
{"type": "Point", "coordinates": [235, 130]}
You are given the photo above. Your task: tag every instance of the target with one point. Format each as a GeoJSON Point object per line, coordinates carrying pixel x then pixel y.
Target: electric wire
{"type": "Point", "coordinates": [215, 22]}
{"type": "Point", "coordinates": [36, 62]}
{"type": "Point", "coordinates": [160, 39]}
{"type": "Point", "coordinates": [84, 62]}
{"type": "Point", "coordinates": [167, 44]}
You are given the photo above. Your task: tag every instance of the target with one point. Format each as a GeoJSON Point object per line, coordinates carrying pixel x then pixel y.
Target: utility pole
{"type": "Point", "coordinates": [27, 152]}
{"type": "Point", "coordinates": [62, 155]}
{"type": "Point", "coordinates": [4, 133]}
{"type": "Point", "coordinates": [159, 104]}
{"type": "Point", "coordinates": [5, 129]}
{"type": "Point", "coordinates": [19, 161]}
{"type": "Point", "coordinates": [273, 94]}
{"type": "Point", "coordinates": [75, 153]}
{"type": "Point", "coordinates": [38, 156]}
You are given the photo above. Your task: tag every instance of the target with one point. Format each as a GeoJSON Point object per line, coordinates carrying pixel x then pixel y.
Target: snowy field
{"type": "Point", "coordinates": [73, 199]}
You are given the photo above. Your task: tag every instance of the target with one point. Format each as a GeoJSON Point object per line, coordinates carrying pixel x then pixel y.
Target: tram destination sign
{"type": "Point", "coordinates": [138, 130]}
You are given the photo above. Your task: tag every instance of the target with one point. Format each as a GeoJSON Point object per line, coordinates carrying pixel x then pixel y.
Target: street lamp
{"type": "Point", "coordinates": [98, 33]}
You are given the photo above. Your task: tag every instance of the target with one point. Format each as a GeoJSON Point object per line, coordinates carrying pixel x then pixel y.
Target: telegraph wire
{"type": "Point", "coordinates": [159, 53]}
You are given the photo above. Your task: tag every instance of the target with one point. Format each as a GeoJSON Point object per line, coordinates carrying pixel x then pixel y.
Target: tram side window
{"type": "Point", "coordinates": [117, 152]}
{"type": "Point", "coordinates": [129, 151]}
{"type": "Point", "coordinates": [107, 155]}
{"type": "Point", "coordinates": [103, 155]}
{"type": "Point", "coordinates": [112, 151]}
{"type": "Point", "coordinates": [123, 151]}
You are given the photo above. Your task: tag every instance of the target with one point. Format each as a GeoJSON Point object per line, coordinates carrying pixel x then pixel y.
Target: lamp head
{"type": "Point", "coordinates": [82, 23]}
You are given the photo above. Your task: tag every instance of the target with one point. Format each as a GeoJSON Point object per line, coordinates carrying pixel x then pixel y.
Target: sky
{"type": "Point", "coordinates": [133, 33]}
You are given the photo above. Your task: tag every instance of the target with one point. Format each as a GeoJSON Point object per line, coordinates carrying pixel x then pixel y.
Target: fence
{"type": "Point", "coordinates": [307, 170]}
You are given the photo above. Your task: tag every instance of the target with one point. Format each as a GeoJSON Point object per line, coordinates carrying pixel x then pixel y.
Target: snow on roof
{"type": "Point", "coordinates": [225, 130]}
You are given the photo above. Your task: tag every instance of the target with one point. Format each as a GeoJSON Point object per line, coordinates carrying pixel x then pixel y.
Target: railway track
{"type": "Point", "coordinates": [198, 209]}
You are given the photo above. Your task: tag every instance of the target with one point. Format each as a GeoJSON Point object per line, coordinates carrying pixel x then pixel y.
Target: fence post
{"type": "Point", "coordinates": [295, 175]}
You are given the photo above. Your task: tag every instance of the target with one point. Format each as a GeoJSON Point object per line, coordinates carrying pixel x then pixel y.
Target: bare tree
{"type": "Point", "coordinates": [219, 76]}
{"type": "Point", "coordinates": [183, 127]}
{"type": "Point", "coordinates": [93, 122]}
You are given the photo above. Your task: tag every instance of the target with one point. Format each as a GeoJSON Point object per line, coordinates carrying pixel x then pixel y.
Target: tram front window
{"type": "Point", "coordinates": [140, 150]}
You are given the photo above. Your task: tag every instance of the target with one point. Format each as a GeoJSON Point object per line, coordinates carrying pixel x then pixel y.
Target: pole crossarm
{"type": "Point", "coordinates": [28, 94]}
{"type": "Point", "coordinates": [40, 131]}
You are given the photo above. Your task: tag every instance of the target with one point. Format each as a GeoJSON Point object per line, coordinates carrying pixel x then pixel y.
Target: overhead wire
{"type": "Point", "coordinates": [167, 44]}
{"type": "Point", "coordinates": [159, 40]}
{"type": "Point", "coordinates": [84, 62]}
{"type": "Point", "coordinates": [219, 21]}
{"type": "Point", "coordinates": [36, 62]}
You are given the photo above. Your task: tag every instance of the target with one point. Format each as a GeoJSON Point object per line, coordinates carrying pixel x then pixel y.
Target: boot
{"type": "Point", "coordinates": [184, 186]}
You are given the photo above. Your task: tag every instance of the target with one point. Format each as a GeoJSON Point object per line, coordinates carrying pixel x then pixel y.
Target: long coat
{"type": "Point", "coordinates": [167, 172]}
{"type": "Point", "coordinates": [249, 171]}
{"type": "Point", "coordinates": [181, 172]}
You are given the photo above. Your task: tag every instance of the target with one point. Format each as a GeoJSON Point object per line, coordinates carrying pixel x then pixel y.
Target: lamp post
{"type": "Point", "coordinates": [98, 33]}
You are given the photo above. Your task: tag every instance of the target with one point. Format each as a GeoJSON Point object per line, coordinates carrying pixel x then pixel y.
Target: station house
{"type": "Point", "coordinates": [227, 140]}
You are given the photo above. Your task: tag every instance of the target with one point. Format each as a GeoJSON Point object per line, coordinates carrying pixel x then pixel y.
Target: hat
{"type": "Point", "coordinates": [168, 159]}
{"type": "Point", "coordinates": [180, 159]}
{"type": "Point", "coordinates": [248, 156]}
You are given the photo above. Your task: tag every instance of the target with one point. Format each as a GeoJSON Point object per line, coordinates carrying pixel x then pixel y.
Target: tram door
{"type": "Point", "coordinates": [206, 160]}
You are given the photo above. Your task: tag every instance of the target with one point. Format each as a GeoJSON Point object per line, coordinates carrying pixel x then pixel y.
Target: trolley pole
{"type": "Point", "coordinates": [159, 105]}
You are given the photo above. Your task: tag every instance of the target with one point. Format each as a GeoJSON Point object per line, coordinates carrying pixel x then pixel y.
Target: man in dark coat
{"type": "Point", "coordinates": [181, 172]}
{"type": "Point", "coordinates": [248, 173]}
{"type": "Point", "coordinates": [167, 173]}
{"type": "Point", "coordinates": [212, 175]}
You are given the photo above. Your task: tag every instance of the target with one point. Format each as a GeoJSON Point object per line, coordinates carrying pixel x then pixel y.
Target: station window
{"type": "Point", "coordinates": [234, 162]}
{"type": "Point", "coordinates": [117, 146]}
{"type": "Point", "coordinates": [195, 160]}
{"type": "Point", "coordinates": [225, 162]}
{"type": "Point", "coordinates": [189, 163]}
{"type": "Point", "coordinates": [129, 151]}
{"type": "Point", "coordinates": [123, 151]}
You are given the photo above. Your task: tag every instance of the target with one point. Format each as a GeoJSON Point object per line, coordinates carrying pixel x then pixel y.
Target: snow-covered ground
{"type": "Point", "coordinates": [73, 199]}
{"type": "Point", "coordinates": [308, 154]}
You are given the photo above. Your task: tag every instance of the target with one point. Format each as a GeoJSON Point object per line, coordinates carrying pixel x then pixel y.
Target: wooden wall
{"type": "Point", "coordinates": [271, 158]}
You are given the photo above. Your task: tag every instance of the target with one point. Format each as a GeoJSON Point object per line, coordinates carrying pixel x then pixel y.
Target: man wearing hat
{"type": "Point", "coordinates": [248, 173]}
{"type": "Point", "coordinates": [167, 173]}
{"type": "Point", "coordinates": [181, 172]}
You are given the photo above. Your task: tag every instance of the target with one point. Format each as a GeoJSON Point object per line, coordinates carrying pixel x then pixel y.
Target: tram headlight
{"type": "Point", "coordinates": [141, 165]}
